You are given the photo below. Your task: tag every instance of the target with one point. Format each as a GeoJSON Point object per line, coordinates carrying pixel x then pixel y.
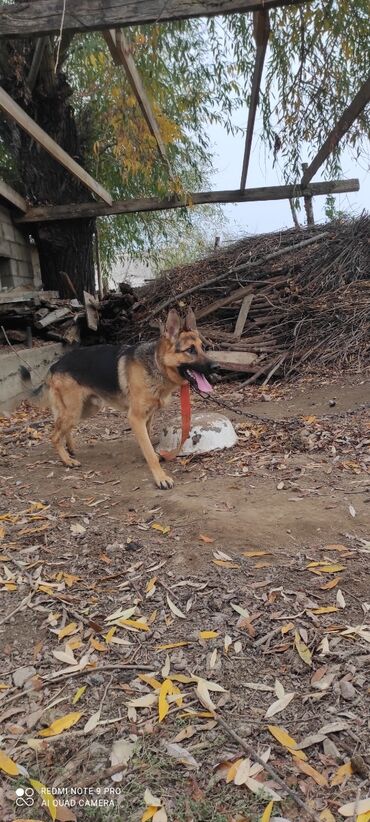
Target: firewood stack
{"type": "Point", "coordinates": [276, 302]}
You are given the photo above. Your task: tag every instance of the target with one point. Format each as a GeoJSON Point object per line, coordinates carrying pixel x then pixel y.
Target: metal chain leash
{"type": "Point", "coordinates": [284, 420]}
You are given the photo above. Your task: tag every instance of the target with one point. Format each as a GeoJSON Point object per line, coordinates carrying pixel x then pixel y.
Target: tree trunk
{"type": "Point", "coordinates": [65, 246]}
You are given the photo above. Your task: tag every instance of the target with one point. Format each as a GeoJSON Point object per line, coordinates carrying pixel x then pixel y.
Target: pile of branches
{"type": "Point", "coordinates": [288, 298]}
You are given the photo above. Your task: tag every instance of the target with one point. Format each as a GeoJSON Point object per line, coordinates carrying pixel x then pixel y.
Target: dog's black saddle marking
{"type": "Point", "coordinates": [95, 366]}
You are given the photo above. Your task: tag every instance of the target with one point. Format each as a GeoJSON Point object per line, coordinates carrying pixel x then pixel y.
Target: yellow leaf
{"type": "Point", "coordinates": [341, 773]}
{"type": "Point", "coordinates": [332, 569]}
{"type": "Point", "coordinates": [2, 532]}
{"type": "Point", "coordinates": [164, 529]}
{"type": "Point", "coordinates": [363, 817]}
{"type": "Point", "coordinates": [61, 724]}
{"type": "Point", "coordinates": [319, 778]}
{"type": "Point", "coordinates": [69, 629]}
{"type": "Point", "coordinates": [230, 776]}
{"type": "Point", "coordinates": [73, 644]}
{"type": "Point", "coordinates": [205, 538]}
{"type": "Point", "coordinates": [109, 635]}
{"type": "Point", "coordinates": [178, 695]}
{"type": "Point", "coordinates": [150, 584]}
{"type": "Point", "coordinates": [224, 563]}
{"type": "Point", "coordinates": [163, 706]}
{"type": "Point", "coordinates": [171, 645]}
{"type": "Point", "coordinates": [46, 797]}
{"type": "Point", "coordinates": [45, 589]}
{"type": "Point", "coordinates": [7, 765]}
{"type": "Point", "coordinates": [180, 678]}
{"type": "Point", "coordinates": [134, 623]}
{"type": "Point", "coordinates": [79, 693]}
{"type": "Point", "coordinates": [266, 816]}
{"type": "Point", "coordinates": [255, 553]}
{"type": "Point", "coordinates": [149, 813]}
{"type": "Point", "coordinates": [326, 609]}
{"type": "Point", "coordinates": [286, 741]}
{"type": "Point", "coordinates": [286, 628]}
{"type": "Point", "coordinates": [10, 586]}
{"type": "Point", "coordinates": [154, 683]}
{"type": "Point", "coordinates": [208, 634]}
{"type": "Point", "coordinates": [99, 646]}
{"type": "Point", "coordinates": [326, 816]}
{"type": "Point", "coordinates": [331, 584]}
{"type": "Point", "coordinates": [4, 687]}
{"type": "Point", "coordinates": [302, 649]}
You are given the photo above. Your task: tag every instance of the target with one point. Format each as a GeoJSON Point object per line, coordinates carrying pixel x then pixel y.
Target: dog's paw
{"type": "Point", "coordinates": [164, 481]}
{"type": "Point", "coordinates": [72, 463]}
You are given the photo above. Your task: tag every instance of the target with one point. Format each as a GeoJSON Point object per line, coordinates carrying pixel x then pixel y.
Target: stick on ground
{"type": "Point", "coordinates": [275, 776]}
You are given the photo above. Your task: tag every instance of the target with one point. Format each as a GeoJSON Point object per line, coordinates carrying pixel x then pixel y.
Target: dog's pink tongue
{"type": "Point", "coordinates": [204, 386]}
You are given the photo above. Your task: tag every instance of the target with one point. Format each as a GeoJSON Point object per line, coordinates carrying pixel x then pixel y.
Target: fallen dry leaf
{"type": "Point", "coordinates": [181, 755]}
{"type": "Point", "coordinates": [175, 610]}
{"type": "Point", "coordinates": [319, 778]}
{"type": "Point", "coordinates": [341, 773]}
{"type": "Point", "coordinates": [279, 705]}
{"type": "Point", "coordinates": [286, 741]}
{"type": "Point", "coordinates": [302, 649]}
{"type": "Point", "coordinates": [61, 724]}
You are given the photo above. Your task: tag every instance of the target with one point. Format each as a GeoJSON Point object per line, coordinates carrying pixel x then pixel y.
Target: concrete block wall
{"type": "Point", "coordinates": [39, 361]}
{"type": "Point", "coordinates": [19, 259]}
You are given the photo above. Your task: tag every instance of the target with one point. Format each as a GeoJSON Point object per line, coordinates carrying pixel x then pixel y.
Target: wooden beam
{"type": "Point", "coordinates": [75, 211]}
{"type": "Point", "coordinates": [120, 50]}
{"type": "Point", "coordinates": [13, 110]}
{"type": "Point", "coordinates": [12, 196]}
{"type": "Point", "coordinates": [341, 127]}
{"type": "Point", "coordinates": [261, 31]}
{"type": "Point", "coordinates": [30, 19]}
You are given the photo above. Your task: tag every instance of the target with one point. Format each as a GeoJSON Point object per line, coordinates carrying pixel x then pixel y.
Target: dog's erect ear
{"type": "Point", "coordinates": [173, 325]}
{"type": "Point", "coordinates": [190, 323]}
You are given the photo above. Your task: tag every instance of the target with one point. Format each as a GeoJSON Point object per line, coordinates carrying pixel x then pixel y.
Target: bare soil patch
{"type": "Point", "coordinates": [266, 546]}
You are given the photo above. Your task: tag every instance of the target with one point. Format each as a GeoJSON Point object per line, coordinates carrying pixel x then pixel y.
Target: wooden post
{"type": "Point", "coordinates": [308, 203]}
{"type": "Point", "coordinates": [261, 31]}
{"type": "Point", "coordinates": [294, 212]}
{"type": "Point", "coordinates": [98, 265]}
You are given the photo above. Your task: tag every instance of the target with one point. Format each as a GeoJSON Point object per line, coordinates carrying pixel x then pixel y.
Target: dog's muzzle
{"type": "Point", "coordinates": [197, 375]}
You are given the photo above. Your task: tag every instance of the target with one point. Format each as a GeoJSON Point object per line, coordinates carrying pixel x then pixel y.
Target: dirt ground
{"type": "Point", "coordinates": [278, 527]}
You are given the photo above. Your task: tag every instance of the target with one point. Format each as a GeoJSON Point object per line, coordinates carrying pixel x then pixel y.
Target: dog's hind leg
{"type": "Point", "coordinates": [70, 444]}
{"type": "Point", "coordinates": [66, 404]}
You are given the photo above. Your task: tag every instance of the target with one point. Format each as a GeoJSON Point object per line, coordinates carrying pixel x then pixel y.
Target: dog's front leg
{"type": "Point", "coordinates": [138, 425]}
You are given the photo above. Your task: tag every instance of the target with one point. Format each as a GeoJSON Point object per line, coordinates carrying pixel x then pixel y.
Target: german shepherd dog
{"type": "Point", "coordinates": [139, 379]}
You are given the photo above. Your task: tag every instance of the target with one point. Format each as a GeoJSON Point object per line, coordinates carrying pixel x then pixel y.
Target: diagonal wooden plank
{"type": "Point", "coordinates": [341, 127]}
{"type": "Point", "coordinates": [120, 50]}
{"type": "Point", "coordinates": [13, 110]}
{"type": "Point", "coordinates": [39, 17]}
{"type": "Point", "coordinates": [261, 27]}
{"type": "Point", "coordinates": [75, 211]}
{"type": "Point", "coordinates": [11, 196]}
{"type": "Point", "coordinates": [243, 314]}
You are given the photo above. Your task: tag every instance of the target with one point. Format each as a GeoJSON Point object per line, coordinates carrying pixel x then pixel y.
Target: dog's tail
{"type": "Point", "coordinates": [36, 396]}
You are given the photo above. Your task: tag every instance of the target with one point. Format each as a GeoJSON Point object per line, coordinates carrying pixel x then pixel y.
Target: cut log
{"type": "Point", "coordinates": [233, 360]}
{"type": "Point", "coordinates": [53, 317]}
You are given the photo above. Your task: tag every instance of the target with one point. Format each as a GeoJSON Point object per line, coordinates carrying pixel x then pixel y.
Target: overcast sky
{"type": "Point", "coordinates": [267, 216]}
